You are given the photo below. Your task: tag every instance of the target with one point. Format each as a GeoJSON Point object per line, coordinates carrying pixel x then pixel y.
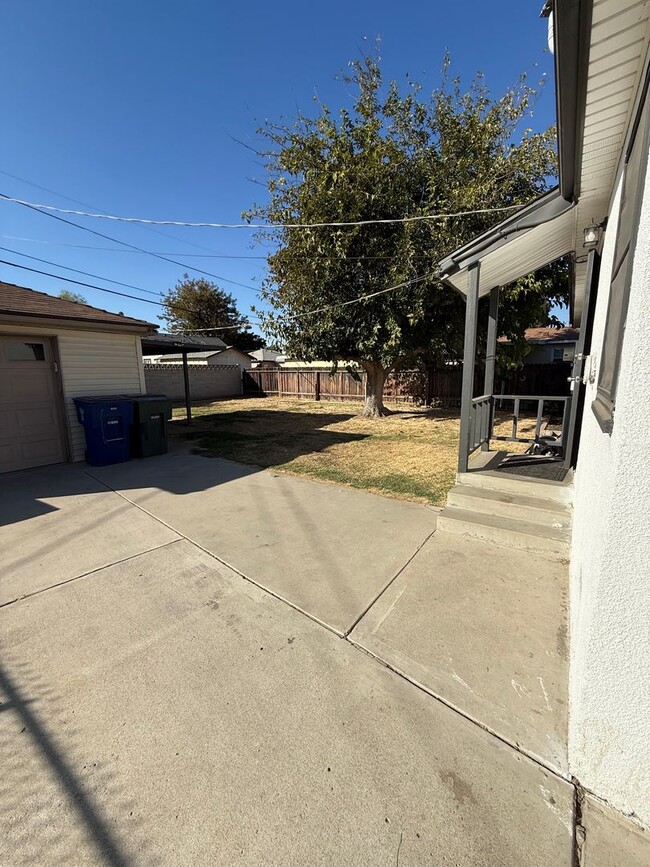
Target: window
{"type": "Point", "coordinates": [18, 351]}
{"type": "Point", "coordinates": [558, 353]}
{"type": "Point", "coordinates": [636, 160]}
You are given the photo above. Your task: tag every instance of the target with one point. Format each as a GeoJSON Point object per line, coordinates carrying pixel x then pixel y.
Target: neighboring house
{"type": "Point", "coordinates": [228, 355]}
{"type": "Point", "coordinates": [266, 358]}
{"type": "Point", "coordinates": [600, 215]}
{"type": "Point", "coordinates": [548, 345]}
{"type": "Point", "coordinates": [52, 350]}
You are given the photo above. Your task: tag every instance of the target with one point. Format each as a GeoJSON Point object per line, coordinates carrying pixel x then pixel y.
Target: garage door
{"type": "Point", "coordinates": [30, 423]}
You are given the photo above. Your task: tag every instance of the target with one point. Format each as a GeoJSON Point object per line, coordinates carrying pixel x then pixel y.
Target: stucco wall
{"type": "Point", "coordinates": [609, 721]}
{"type": "Point", "coordinates": [205, 382]}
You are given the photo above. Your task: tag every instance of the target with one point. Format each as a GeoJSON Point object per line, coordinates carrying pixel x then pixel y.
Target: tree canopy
{"type": "Point", "coordinates": [395, 155]}
{"type": "Point", "coordinates": [198, 305]}
{"type": "Point", "coordinates": [67, 295]}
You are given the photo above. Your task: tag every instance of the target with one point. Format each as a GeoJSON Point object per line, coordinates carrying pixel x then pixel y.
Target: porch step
{"type": "Point", "coordinates": [516, 506]}
{"type": "Point", "coordinates": [502, 530]}
{"type": "Point", "coordinates": [509, 483]}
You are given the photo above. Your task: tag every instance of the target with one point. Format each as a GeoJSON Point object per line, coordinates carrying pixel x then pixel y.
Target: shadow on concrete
{"type": "Point", "coordinates": [50, 814]}
{"type": "Point", "coordinates": [270, 437]}
{"type": "Point", "coordinates": [251, 440]}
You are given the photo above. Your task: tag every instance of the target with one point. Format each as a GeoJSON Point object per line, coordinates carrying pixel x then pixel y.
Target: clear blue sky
{"type": "Point", "coordinates": [132, 108]}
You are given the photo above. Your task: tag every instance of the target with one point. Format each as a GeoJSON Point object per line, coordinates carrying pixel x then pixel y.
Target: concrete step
{"type": "Point", "coordinates": [509, 483]}
{"type": "Point", "coordinates": [517, 506]}
{"type": "Point", "coordinates": [505, 531]}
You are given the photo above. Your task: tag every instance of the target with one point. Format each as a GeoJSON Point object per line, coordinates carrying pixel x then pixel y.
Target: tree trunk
{"type": "Point", "coordinates": [375, 380]}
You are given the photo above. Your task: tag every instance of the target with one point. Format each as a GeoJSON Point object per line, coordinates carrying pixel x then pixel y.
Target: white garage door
{"type": "Point", "coordinates": [30, 424]}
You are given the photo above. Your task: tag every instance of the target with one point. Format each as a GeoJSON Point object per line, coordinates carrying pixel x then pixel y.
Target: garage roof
{"type": "Point", "coordinates": [176, 344]}
{"type": "Point", "coordinates": [21, 301]}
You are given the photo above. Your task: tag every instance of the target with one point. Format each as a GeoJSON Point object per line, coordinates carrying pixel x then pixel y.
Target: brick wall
{"type": "Point", "coordinates": [214, 381]}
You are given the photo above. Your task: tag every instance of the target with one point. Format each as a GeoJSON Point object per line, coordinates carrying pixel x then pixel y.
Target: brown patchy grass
{"type": "Point", "coordinates": [410, 455]}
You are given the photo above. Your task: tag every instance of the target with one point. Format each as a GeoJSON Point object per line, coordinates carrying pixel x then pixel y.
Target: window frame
{"type": "Point", "coordinates": [604, 404]}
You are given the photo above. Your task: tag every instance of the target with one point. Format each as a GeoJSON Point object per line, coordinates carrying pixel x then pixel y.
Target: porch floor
{"type": "Point", "coordinates": [539, 467]}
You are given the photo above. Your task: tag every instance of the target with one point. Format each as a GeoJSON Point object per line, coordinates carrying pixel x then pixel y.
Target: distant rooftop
{"type": "Point", "coordinates": [176, 344]}
{"type": "Point", "coordinates": [549, 335]}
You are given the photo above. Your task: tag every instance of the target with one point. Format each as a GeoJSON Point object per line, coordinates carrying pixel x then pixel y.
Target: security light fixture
{"type": "Point", "coordinates": [591, 236]}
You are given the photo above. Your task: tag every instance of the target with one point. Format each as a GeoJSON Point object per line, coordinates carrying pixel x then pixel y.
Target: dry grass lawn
{"type": "Point", "coordinates": [411, 454]}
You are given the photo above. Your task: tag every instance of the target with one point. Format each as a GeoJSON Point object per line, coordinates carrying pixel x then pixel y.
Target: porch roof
{"type": "Point", "coordinates": [537, 234]}
{"type": "Point", "coordinates": [610, 64]}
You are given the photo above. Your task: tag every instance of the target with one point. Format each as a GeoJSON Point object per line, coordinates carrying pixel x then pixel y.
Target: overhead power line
{"type": "Point", "coordinates": [206, 225]}
{"type": "Point", "coordinates": [93, 286]}
{"type": "Point", "coordinates": [87, 205]}
{"type": "Point", "coordinates": [402, 285]}
{"type": "Point", "coordinates": [193, 255]}
{"type": "Point", "coordinates": [329, 307]}
{"type": "Point", "coordinates": [125, 243]}
{"type": "Point", "coordinates": [85, 273]}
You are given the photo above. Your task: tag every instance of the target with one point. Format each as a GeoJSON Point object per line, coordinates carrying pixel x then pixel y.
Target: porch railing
{"type": "Point", "coordinates": [483, 416]}
{"type": "Point", "coordinates": [480, 421]}
{"type": "Point", "coordinates": [517, 400]}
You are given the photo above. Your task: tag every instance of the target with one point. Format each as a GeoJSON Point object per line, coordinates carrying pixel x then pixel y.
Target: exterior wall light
{"type": "Point", "coordinates": [591, 236]}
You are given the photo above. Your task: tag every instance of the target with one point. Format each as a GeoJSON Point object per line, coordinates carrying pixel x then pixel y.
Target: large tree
{"type": "Point", "coordinates": [394, 154]}
{"type": "Point", "coordinates": [200, 306]}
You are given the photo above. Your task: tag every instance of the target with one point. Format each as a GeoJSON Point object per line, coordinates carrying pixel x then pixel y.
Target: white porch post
{"type": "Point", "coordinates": [469, 359]}
{"type": "Point", "coordinates": [490, 357]}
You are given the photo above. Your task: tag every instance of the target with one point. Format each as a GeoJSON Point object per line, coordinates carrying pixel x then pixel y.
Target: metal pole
{"type": "Point", "coordinates": [469, 358]}
{"type": "Point", "coordinates": [490, 359]}
{"type": "Point", "coordinates": [188, 401]}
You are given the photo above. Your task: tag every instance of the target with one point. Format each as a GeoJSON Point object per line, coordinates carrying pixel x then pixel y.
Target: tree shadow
{"type": "Point", "coordinates": [264, 438]}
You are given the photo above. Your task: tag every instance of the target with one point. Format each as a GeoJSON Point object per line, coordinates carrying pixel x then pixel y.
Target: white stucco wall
{"type": "Point", "coordinates": [609, 720]}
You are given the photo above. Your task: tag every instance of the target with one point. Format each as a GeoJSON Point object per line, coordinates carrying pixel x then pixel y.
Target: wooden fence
{"type": "Point", "coordinates": [440, 386]}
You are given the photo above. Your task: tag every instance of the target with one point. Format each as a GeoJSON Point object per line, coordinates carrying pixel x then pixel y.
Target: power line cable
{"type": "Point", "coordinates": [194, 255]}
{"type": "Point", "coordinates": [206, 225]}
{"type": "Point", "coordinates": [402, 285]}
{"type": "Point", "coordinates": [124, 243]}
{"type": "Point", "coordinates": [93, 286]}
{"type": "Point", "coordinates": [87, 205]}
{"type": "Point", "coordinates": [329, 307]}
{"type": "Point", "coordinates": [85, 273]}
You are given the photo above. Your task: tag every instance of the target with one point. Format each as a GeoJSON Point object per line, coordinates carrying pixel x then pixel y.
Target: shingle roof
{"type": "Point", "coordinates": [549, 335]}
{"type": "Point", "coordinates": [20, 301]}
{"type": "Point", "coordinates": [542, 335]}
{"type": "Point", "coordinates": [167, 344]}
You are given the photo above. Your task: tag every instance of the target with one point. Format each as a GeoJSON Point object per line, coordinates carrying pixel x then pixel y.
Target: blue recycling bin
{"type": "Point", "coordinates": [107, 422]}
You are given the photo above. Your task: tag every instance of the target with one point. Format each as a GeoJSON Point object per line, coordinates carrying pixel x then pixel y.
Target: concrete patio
{"type": "Point", "coordinates": [206, 664]}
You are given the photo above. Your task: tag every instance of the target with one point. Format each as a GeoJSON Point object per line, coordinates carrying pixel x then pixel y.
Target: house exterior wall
{"type": "Point", "coordinates": [206, 383]}
{"type": "Point", "coordinates": [232, 356]}
{"type": "Point", "coordinates": [91, 362]}
{"type": "Point", "coordinates": [543, 353]}
{"type": "Point", "coordinates": [226, 356]}
{"type": "Point", "coordinates": [609, 700]}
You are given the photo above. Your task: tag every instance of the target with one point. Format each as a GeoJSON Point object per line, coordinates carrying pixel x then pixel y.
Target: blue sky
{"type": "Point", "coordinates": [133, 108]}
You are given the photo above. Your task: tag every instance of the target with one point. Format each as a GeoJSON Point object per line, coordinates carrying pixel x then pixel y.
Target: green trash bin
{"type": "Point", "coordinates": [151, 413]}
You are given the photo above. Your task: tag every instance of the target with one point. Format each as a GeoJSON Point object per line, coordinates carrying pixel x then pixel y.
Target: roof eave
{"type": "Point", "coordinates": [9, 317]}
{"type": "Point", "coordinates": [549, 206]}
{"type": "Point", "coordinates": [571, 61]}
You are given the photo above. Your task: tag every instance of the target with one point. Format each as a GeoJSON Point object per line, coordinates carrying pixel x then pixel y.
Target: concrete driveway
{"type": "Point", "coordinates": [178, 687]}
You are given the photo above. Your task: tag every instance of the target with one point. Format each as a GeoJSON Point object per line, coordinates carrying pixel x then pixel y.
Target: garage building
{"type": "Point", "coordinates": [52, 350]}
